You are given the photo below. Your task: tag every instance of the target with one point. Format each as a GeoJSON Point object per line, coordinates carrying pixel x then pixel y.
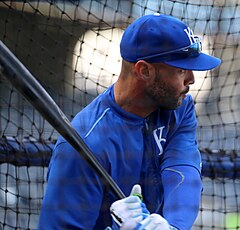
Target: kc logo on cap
{"type": "Point", "coordinates": [190, 35]}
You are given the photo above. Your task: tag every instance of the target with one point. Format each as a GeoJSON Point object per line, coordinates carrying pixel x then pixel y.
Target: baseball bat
{"type": "Point", "coordinates": [19, 76]}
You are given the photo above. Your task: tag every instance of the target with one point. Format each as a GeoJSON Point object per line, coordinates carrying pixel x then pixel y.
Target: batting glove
{"type": "Point", "coordinates": [130, 211]}
{"type": "Point", "coordinates": [154, 222]}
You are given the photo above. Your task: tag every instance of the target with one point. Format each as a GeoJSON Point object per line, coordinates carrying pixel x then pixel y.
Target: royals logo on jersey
{"type": "Point", "coordinates": [159, 130]}
{"type": "Point", "coordinates": [159, 138]}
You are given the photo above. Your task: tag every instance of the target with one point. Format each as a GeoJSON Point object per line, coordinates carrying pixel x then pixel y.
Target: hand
{"type": "Point", "coordinates": [153, 222]}
{"type": "Point", "coordinates": [130, 211]}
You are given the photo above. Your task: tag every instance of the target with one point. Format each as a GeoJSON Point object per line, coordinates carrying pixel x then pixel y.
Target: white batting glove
{"type": "Point", "coordinates": [154, 222]}
{"type": "Point", "coordinates": [130, 211]}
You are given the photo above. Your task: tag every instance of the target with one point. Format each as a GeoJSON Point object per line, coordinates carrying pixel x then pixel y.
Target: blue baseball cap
{"type": "Point", "coordinates": [166, 39]}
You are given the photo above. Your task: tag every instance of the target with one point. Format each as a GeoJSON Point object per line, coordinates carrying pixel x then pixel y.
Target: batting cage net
{"type": "Point", "coordinates": [72, 47]}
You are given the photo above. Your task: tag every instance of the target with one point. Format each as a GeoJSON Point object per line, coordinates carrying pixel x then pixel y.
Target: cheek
{"type": "Point", "coordinates": [172, 90]}
{"type": "Point", "coordinates": [162, 88]}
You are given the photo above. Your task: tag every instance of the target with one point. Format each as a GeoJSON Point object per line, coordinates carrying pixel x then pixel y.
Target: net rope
{"type": "Point", "coordinates": [72, 47]}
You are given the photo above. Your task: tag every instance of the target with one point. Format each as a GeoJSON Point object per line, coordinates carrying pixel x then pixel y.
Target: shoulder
{"type": "Point", "coordinates": [187, 105]}
{"type": "Point", "coordinates": [91, 118]}
{"type": "Point", "coordinates": [93, 113]}
{"type": "Point", "coordinates": [184, 116]}
{"type": "Point", "coordinates": [186, 111]}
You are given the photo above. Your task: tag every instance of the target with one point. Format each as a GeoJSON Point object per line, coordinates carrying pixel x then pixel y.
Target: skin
{"type": "Point", "coordinates": [143, 87]}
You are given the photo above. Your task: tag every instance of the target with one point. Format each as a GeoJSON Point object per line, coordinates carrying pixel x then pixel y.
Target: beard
{"type": "Point", "coordinates": [164, 96]}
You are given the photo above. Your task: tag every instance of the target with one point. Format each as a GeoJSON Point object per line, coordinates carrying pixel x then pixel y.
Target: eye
{"type": "Point", "coordinates": [182, 71]}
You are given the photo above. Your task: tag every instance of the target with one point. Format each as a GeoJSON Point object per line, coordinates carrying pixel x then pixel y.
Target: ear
{"type": "Point", "coordinates": [143, 70]}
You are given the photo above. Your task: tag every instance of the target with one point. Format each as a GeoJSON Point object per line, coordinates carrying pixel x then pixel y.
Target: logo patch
{"type": "Point", "coordinates": [157, 133]}
{"type": "Point", "coordinates": [192, 38]}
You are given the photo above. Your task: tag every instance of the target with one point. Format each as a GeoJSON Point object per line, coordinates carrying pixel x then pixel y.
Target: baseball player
{"type": "Point", "coordinates": [142, 129]}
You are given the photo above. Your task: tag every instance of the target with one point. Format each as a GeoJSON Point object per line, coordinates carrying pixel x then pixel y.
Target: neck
{"type": "Point", "coordinates": [129, 95]}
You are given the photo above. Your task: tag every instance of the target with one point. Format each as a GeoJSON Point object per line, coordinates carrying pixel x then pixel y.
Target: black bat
{"type": "Point", "coordinates": [32, 90]}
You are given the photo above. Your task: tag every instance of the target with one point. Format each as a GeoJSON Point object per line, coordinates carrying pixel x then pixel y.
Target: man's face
{"type": "Point", "coordinates": [169, 86]}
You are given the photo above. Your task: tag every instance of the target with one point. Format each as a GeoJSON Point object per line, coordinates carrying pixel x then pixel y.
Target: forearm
{"type": "Point", "coordinates": [182, 193]}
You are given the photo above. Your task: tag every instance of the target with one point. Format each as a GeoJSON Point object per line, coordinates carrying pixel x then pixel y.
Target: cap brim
{"type": "Point", "coordinates": [199, 63]}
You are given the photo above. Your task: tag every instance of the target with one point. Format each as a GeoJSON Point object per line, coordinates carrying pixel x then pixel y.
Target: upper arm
{"type": "Point", "coordinates": [74, 193]}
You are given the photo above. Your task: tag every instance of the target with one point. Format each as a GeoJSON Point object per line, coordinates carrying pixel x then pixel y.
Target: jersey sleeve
{"type": "Point", "coordinates": [182, 147]}
{"type": "Point", "coordinates": [73, 195]}
{"type": "Point", "coordinates": [180, 207]}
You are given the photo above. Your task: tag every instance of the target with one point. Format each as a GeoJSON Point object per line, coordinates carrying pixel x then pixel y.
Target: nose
{"type": "Point", "coordinates": [190, 79]}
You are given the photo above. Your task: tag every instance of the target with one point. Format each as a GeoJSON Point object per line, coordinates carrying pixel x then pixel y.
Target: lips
{"type": "Point", "coordinates": [185, 91]}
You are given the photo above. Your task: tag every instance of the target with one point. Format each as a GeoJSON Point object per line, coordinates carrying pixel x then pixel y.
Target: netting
{"type": "Point", "coordinates": [72, 47]}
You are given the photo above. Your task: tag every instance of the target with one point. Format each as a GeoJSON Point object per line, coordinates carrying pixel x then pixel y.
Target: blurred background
{"type": "Point", "coordinates": [72, 48]}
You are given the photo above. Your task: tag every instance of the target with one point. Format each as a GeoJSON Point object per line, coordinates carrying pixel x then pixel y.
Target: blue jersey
{"type": "Point", "coordinates": [132, 150]}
